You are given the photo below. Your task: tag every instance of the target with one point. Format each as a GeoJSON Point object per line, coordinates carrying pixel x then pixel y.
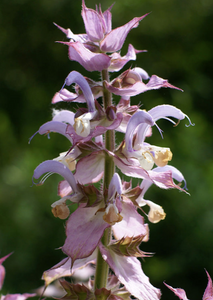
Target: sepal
{"type": "Point", "coordinates": [92, 196]}
{"type": "Point", "coordinates": [76, 291]}
{"type": "Point", "coordinates": [129, 246]}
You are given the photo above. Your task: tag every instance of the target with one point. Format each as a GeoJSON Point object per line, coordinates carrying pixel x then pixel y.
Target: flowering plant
{"type": "Point", "coordinates": [108, 227]}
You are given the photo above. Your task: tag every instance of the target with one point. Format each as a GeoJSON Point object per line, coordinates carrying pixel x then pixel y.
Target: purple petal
{"type": "Point", "coordinates": [143, 74]}
{"type": "Point", "coordinates": [131, 90]}
{"type": "Point", "coordinates": [178, 292]}
{"type": "Point", "coordinates": [89, 60]}
{"type": "Point", "coordinates": [64, 188]}
{"type": "Point", "coordinates": [139, 87]}
{"type": "Point", "coordinates": [176, 174]}
{"type": "Point", "coordinates": [161, 179]}
{"type": "Point", "coordinates": [164, 179]}
{"type": "Point", "coordinates": [132, 223]}
{"type": "Point", "coordinates": [130, 168]}
{"type": "Point", "coordinates": [107, 17]}
{"type": "Point", "coordinates": [55, 126]}
{"type": "Point", "coordinates": [65, 95]}
{"type": "Point", "coordinates": [208, 294]}
{"type": "Point", "coordinates": [83, 38]}
{"type": "Point", "coordinates": [159, 112]}
{"type": "Point", "coordinates": [137, 119]}
{"type": "Point", "coordinates": [114, 40]}
{"type": "Point", "coordinates": [165, 110]}
{"type": "Point", "coordinates": [129, 272]}
{"type": "Point", "coordinates": [76, 77]}
{"type": "Point", "coordinates": [118, 61]}
{"type": "Point", "coordinates": [64, 268]}
{"type": "Point", "coordinates": [65, 116]}
{"type": "Point", "coordinates": [115, 186]}
{"type": "Point", "coordinates": [156, 82]}
{"type": "Point", "coordinates": [59, 168]}
{"type": "Point", "coordinates": [93, 22]}
{"type": "Point", "coordinates": [84, 230]}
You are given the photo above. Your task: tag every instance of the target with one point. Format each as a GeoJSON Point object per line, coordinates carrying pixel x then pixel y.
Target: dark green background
{"type": "Point", "coordinates": [178, 37]}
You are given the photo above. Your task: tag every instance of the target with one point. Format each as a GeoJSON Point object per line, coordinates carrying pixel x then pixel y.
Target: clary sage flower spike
{"type": "Point", "coordinates": [106, 228]}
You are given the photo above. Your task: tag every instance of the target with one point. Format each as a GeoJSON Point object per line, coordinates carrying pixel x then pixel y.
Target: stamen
{"type": "Point", "coordinates": [161, 131]}
{"type": "Point", "coordinates": [44, 178]}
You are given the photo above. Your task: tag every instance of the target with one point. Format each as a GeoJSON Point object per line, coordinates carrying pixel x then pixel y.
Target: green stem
{"type": "Point", "coordinates": [102, 268]}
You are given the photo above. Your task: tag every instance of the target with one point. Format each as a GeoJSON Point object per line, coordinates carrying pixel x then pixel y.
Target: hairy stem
{"type": "Point", "coordinates": [102, 268]}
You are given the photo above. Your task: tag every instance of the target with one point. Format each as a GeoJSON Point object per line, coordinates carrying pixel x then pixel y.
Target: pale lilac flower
{"type": "Point", "coordinates": [59, 208]}
{"type": "Point", "coordinates": [164, 111]}
{"type": "Point", "coordinates": [82, 123]}
{"type": "Point", "coordinates": [78, 96]}
{"type": "Point", "coordinates": [97, 130]}
{"type": "Point", "coordinates": [136, 132]}
{"type": "Point", "coordinates": [94, 164]}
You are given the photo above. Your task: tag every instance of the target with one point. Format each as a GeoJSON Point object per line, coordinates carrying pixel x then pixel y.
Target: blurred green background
{"type": "Point", "coordinates": [178, 37]}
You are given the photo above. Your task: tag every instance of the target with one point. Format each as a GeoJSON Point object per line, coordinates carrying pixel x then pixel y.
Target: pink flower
{"type": "Point", "coordinates": [10, 296]}
{"type": "Point", "coordinates": [208, 293]}
{"type": "Point", "coordinates": [2, 269]}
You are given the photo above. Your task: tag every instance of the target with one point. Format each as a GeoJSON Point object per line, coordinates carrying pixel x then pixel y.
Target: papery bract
{"type": "Point", "coordinates": [115, 39]}
{"type": "Point", "coordinates": [67, 268]}
{"type": "Point", "coordinates": [129, 272]}
{"type": "Point", "coordinates": [84, 230]}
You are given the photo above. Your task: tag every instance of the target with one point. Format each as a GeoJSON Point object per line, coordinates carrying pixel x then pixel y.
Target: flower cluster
{"type": "Point", "coordinates": [106, 229]}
